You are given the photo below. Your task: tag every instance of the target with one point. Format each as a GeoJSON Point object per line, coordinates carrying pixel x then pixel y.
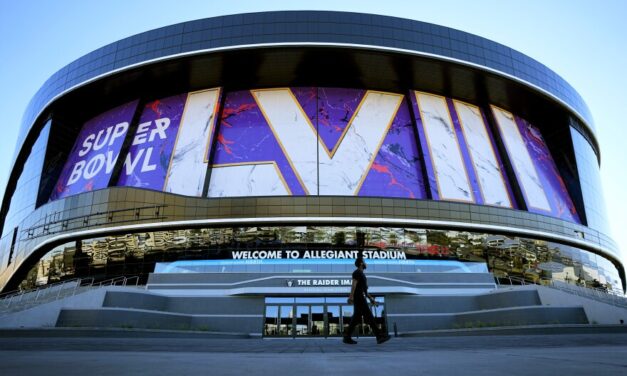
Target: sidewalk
{"type": "Point", "coordinates": [538, 354]}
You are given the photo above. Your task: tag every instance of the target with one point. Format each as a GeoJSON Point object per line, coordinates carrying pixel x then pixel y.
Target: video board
{"type": "Point", "coordinates": [300, 141]}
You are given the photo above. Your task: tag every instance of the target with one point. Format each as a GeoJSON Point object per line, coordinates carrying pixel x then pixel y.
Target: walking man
{"type": "Point", "coordinates": [359, 293]}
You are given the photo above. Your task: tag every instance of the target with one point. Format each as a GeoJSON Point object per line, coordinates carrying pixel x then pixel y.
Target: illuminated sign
{"type": "Point", "coordinates": [317, 282]}
{"type": "Point", "coordinates": [317, 254]}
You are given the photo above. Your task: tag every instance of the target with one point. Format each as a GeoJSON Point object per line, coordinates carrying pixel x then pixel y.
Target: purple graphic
{"type": "Point", "coordinates": [396, 170]}
{"type": "Point", "coordinates": [95, 152]}
{"type": "Point", "coordinates": [336, 108]}
{"type": "Point", "coordinates": [146, 164]}
{"type": "Point", "coordinates": [245, 137]}
{"type": "Point", "coordinates": [307, 97]}
{"type": "Point", "coordinates": [554, 187]}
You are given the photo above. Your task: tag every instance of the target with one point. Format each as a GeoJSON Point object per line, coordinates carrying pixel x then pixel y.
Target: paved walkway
{"type": "Point", "coordinates": [571, 354]}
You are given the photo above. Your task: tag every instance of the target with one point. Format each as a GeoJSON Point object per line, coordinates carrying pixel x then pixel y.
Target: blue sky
{"type": "Point", "coordinates": [583, 41]}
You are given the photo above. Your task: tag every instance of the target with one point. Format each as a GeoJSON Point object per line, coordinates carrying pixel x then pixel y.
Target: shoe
{"type": "Point", "coordinates": [381, 340]}
{"type": "Point", "coordinates": [349, 341]}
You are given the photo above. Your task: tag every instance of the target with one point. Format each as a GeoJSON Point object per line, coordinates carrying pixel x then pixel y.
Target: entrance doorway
{"type": "Point", "coordinates": [315, 317]}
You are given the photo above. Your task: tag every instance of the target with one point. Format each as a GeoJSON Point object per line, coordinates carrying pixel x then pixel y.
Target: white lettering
{"type": "Point", "coordinates": [131, 163]}
{"type": "Point", "coordinates": [142, 133]}
{"type": "Point", "coordinates": [87, 143]}
{"type": "Point", "coordinates": [160, 126]}
{"type": "Point", "coordinates": [97, 145]}
{"type": "Point", "coordinates": [119, 131]}
{"type": "Point", "coordinates": [94, 166]}
{"type": "Point", "coordinates": [76, 172]}
{"type": "Point", "coordinates": [146, 166]}
{"type": "Point", "coordinates": [239, 254]}
{"type": "Point", "coordinates": [110, 161]}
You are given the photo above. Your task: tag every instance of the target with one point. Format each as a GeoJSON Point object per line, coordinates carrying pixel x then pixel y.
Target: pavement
{"type": "Point", "coordinates": [161, 353]}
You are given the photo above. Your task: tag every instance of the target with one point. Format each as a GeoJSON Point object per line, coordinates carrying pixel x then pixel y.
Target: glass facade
{"type": "Point", "coordinates": [137, 253]}
{"type": "Point", "coordinates": [24, 198]}
{"type": "Point", "coordinates": [590, 180]}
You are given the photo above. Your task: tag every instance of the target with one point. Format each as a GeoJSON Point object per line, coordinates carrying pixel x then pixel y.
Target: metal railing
{"type": "Point", "coordinates": [55, 222]}
{"type": "Point", "coordinates": [613, 297]}
{"type": "Point", "coordinates": [22, 299]}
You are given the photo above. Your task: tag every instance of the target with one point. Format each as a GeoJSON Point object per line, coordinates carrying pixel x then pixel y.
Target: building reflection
{"type": "Point", "coordinates": [505, 256]}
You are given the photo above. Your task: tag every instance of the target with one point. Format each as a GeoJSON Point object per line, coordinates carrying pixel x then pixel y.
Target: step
{"type": "Point", "coordinates": [146, 319]}
{"type": "Point", "coordinates": [514, 316]}
{"type": "Point", "coordinates": [184, 304]}
{"type": "Point", "coordinates": [461, 303]}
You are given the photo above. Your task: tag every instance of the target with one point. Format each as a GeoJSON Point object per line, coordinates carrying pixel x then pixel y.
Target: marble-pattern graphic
{"type": "Point", "coordinates": [188, 163]}
{"type": "Point", "coordinates": [148, 158]}
{"type": "Point", "coordinates": [448, 176]}
{"type": "Point", "coordinates": [365, 144]}
{"type": "Point", "coordinates": [95, 152]}
{"type": "Point", "coordinates": [524, 168]}
{"type": "Point", "coordinates": [244, 137]}
{"type": "Point", "coordinates": [344, 172]}
{"type": "Point", "coordinates": [396, 170]}
{"type": "Point", "coordinates": [561, 203]}
{"type": "Point", "coordinates": [486, 165]}
{"type": "Point", "coordinates": [263, 179]}
{"type": "Point", "coordinates": [294, 132]}
{"type": "Point", "coordinates": [336, 109]}
{"type": "Point", "coordinates": [356, 147]}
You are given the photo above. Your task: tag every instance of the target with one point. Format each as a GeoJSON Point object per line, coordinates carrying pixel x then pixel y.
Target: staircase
{"type": "Point", "coordinates": [19, 300]}
{"type": "Point", "coordinates": [516, 307]}
{"type": "Point", "coordinates": [143, 309]}
{"type": "Point", "coordinates": [193, 308]}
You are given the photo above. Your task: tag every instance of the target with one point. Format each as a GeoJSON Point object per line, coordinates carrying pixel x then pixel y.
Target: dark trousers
{"type": "Point", "coordinates": [361, 309]}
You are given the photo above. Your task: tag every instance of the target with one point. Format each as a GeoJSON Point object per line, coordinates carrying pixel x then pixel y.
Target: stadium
{"type": "Point", "coordinates": [234, 167]}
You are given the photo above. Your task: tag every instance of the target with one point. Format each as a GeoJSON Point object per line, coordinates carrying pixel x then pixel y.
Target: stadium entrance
{"type": "Point", "coordinates": [291, 317]}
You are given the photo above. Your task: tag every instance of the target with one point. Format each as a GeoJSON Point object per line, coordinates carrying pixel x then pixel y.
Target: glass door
{"type": "Point", "coordinates": [347, 314]}
{"type": "Point", "coordinates": [271, 324]}
{"type": "Point", "coordinates": [317, 321]}
{"type": "Point", "coordinates": [334, 326]}
{"type": "Point", "coordinates": [323, 317]}
{"type": "Point", "coordinates": [286, 318]}
{"type": "Point", "coordinates": [302, 320]}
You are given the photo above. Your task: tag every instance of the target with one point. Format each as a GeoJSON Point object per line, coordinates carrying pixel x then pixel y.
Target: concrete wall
{"type": "Point", "coordinates": [597, 312]}
{"type": "Point", "coordinates": [45, 315]}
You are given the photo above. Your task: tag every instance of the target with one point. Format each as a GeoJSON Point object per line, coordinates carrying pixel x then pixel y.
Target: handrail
{"type": "Point", "coordinates": [53, 225]}
{"type": "Point", "coordinates": [136, 278]}
{"type": "Point", "coordinates": [47, 286]}
{"type": "Point", "coordinates": [15, 297]}
{"type": "Point", "coordinates": [606, 296]}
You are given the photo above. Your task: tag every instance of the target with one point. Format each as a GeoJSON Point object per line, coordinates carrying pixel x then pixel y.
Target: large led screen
{"type": "Point", "coordinates": [307, 141]}
{"type": "Point", "coordinates": [95, 152]}
{"type": "Point", "coordinates": [299, 141]}
{"type": "Point", "coordinates": [541, 184]}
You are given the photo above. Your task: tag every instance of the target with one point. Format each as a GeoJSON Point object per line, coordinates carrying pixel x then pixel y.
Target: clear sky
{"type": "Point", "coordinates": [583, 41]}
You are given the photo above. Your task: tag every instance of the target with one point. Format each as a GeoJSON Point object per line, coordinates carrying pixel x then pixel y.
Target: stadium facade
{"type": "Point", "coordinates": [280, 145]}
